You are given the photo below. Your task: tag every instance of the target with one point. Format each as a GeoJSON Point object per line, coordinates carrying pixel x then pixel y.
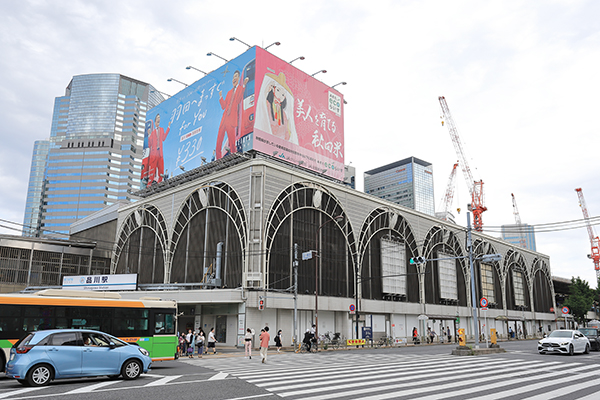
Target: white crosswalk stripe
{"type": "Point", "coordinates": [427, 377]}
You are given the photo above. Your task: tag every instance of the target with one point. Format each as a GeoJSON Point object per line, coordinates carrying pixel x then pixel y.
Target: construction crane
{"type": "Point", "coordinates": [475, 187]}
{"type": "Point", "coordinates": [594, 241]}
{"type": "Point", "coordinates": [447, 201]}
{"type": "Point", "coordinates": [522, 241]}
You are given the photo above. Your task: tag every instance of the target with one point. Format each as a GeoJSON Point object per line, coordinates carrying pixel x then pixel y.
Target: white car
{"type": "Point", "coordinates": [564, 341]}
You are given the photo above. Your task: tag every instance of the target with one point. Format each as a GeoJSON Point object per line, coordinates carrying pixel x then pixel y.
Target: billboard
{"type": "Point", "coordinates": [255, 101]}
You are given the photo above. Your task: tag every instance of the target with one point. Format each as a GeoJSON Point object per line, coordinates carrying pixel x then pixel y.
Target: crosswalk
{"type": "Point", "coordinates": [352, 375]}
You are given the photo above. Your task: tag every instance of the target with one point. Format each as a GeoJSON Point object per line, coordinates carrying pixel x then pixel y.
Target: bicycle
{"type": "Point", "coordinates": [303, 348]}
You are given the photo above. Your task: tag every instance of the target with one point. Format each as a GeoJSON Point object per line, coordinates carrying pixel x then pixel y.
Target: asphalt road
{"type": "Point", "coordinates": [423, 371]}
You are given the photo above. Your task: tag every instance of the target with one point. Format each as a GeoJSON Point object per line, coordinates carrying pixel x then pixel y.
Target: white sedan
{"type": "Point", "coordinates": [564, 341]}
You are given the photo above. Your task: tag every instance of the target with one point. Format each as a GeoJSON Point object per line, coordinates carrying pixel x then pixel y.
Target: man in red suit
{"type": "Point", "coordinates": [229, 121]}
{"type": "Point", "coordinates": [155, 142]}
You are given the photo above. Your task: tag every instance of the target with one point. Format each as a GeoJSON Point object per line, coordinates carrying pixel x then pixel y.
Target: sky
{"type": "Point", "coordinates": [520, 78]}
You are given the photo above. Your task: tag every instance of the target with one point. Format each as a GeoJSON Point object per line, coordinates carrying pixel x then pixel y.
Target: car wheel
{"type": "Point", "coordinates": [131, 369]}
{"type": "Point", "coordinates": [587, 349]}
{"type": "Point", "coordinates": [571, 351]}
{"type": "Point", "coordinates": [40, 375]}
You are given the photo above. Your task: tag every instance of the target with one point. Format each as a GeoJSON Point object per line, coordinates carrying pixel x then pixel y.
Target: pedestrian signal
{"type": "Point", "coordinates": [417, 260]}
{"type": "Point", "coordinates": [261, 303]}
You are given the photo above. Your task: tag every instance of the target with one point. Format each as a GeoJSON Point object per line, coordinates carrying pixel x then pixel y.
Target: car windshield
{"type": "Point", "coordinates": [561, 334]}
{"type": "Point", "coordinates": [589, 331]}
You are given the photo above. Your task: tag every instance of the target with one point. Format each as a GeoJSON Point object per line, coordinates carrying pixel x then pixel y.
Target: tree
{"type": "Point", "coordinates": [580, 299]}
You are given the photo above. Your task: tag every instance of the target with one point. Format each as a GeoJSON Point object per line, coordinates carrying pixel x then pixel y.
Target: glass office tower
{"type": "Point", "coordinates": [407, 182]}
{"type": "Point", "coordinates": [94, 155]}
{"type": "Point", "coordinates": [512, 234]}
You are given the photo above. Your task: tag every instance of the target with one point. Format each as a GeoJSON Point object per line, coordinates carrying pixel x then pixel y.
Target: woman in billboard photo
{"type": "Point", "coordinates": [275, 108]}
{"type": "Point", "coordinates": [155, 158]}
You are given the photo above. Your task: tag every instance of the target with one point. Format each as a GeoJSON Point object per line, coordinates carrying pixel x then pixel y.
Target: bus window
{"type": "Point", "coordinates": [163, 323]}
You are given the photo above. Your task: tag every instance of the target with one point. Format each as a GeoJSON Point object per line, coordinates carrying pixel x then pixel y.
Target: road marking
{"type": "Point", "coordinates": [17, 392]}
{"type": "Point", "coordinates": [163, 381]}
{"type": "Point", "coordinates": [219, 376]}
{"type": "Point", "coordinates": [91, 388]}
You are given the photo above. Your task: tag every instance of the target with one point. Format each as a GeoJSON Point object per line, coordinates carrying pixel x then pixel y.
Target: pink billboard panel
{"type": "Point", "coordinates": [298, 118]}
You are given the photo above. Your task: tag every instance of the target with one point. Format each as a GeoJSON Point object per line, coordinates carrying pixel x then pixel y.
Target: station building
{"type": "Point", "coordinates": [222, 236]}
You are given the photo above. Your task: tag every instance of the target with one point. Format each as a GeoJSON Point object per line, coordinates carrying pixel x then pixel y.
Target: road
{"type": "Point", "coordinates": [415, 372]}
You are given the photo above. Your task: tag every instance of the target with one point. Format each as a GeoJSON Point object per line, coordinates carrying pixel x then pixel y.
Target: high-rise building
{"type": "Point", "coordinates": [407, 182]}
{"type": "Point", "coordinates": [94, 155]}
{"type": "Point", "coordinates": [512, 234]}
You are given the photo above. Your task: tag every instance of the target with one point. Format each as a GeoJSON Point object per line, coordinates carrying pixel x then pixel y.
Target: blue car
{"type": "Point", "coordinates": [43, 356]}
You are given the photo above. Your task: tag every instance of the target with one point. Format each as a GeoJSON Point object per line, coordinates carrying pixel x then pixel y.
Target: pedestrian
{"type": "Point", "coordinates": [212, 340]}
{"type": "Point", "coordinates": [200, 339]}
{"type": "Point", "coordinates": [510, 332]}
{"type": "Point", "coordinates": [449, 335]}
{"type": "Point", "coordinates": [415, 335]}
{"type": "Point", "coordinates": [248, 343]}
{"type": "Point", "coordinates": [307, 339]}
{"type": "Point", "coordinates": [181, 344]}
{"type": "Point", "coordinates": [429, 335]}
{"type": "Point", "coordinates": [191, 345]}
{"type": "Point", "coordinates": [432, 335]}
{"type": "Point", "coordinates": [264, 343]}
{"type": "Point", "coordinates": [278, 341]}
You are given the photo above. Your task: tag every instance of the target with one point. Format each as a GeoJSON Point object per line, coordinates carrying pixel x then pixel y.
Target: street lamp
{"type": "Point", "coordinates": [175, 80]}
{"type": "Point", "coordinates": [341, 83]}
{"type": "Point", "coordinates": [297, 58]}
{"type": "Point", "coordinates": [336, 218]}
{"type": "Point", "coordinates": [323, 71]}
{"type": "Point", "coordinates": [275, 43]}
{"type": "Point", "coordinates": [216, 55]}
{"type": "Point", "coordinates": [199, 70]}
{"type": "Point", "coordinates": [234, 38]}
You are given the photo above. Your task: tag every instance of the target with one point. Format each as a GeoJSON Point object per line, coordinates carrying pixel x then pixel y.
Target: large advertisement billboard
{"type": "Point", "coordinates": [255, 101]}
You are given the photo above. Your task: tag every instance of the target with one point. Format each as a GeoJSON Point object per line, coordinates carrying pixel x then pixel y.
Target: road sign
{"type": "Point", "coordinates": [307, 255]}
{"type": "Point", "coordinates": [565, 310]}
{"type": "Point", "coordinates": [483, 302]}
{"type": "Point", "coordinates": [352, 308]}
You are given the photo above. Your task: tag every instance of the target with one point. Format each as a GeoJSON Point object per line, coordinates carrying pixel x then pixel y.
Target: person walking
{"type": "Point", "coordinates": [212, 340]}
{"type": "Point", "coordinates": [248, 343]}
{"type": "Point", "coordinates": [264, 343]}
{"type": "Point", "coordinates": [278, 341]}
{"type": "Point", "coordinates": [415, 335]}
{"type": "Point", "coordinates": [200, 339]}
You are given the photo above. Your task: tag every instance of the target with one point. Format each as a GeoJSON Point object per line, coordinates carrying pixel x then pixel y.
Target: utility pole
{"type": "Point", "coordinates": [295, 266]}
{"type": "Point", "coordinates": [473, 299]}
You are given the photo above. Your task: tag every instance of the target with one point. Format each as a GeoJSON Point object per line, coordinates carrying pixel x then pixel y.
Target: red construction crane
{"type": "Point", "coordinates": [475, 187]}
{"type": "Point", "coordinates": [447, 201]}
{"type": "Point", "coordinates": [594, 241]}
{"type": "Point", "coordinates": [522, 241]}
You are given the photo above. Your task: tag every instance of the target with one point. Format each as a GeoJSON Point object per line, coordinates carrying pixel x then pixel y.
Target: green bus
{"type": "Point", "coordinates": [149, 322]}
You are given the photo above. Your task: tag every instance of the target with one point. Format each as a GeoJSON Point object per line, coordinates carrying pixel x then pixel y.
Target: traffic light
{"type": "Point", "coordinates": [261, 303]}
{"type": "Point", "coordinates": [417, 260]}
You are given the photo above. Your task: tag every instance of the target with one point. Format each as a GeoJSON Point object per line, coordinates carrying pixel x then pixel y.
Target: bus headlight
{"type": "Point", "coordinates": [143, 351]}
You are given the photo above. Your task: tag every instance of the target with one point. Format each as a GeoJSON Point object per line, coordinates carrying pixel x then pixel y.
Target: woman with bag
{"type": "Point", "coordinates": [248, 343]}
{"type": "Point", "coordinates": [191, 345]}
{"type": "Point", "coordinates": [278, 341]}
{"type": "Point", "coordinates": [200, 343]}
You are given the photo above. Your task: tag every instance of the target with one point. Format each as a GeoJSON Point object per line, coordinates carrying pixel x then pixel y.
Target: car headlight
{"type": "Point", "coordinates": [143, 351]}
{"type": "Point", "coordinates": [565, 343]}
{"type": "Point", "coordinates": [540, 342]}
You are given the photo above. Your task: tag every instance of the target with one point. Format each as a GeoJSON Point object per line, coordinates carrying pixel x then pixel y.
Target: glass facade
{"type": "Point", "coordinates": [408, 182]}
{"type": "Point", "coordinates": [512, 234]}
{"type": "Point", "coordinates": [94, 152]}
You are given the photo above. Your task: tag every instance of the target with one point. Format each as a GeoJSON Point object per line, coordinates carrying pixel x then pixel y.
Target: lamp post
{"type": "Point", "coordinates": [318, 72]}
{"type": "Point", "coordinates": [273, 44]}
{"type": "Point", "coordinates": [336, 218]}
{"type": "Point", "coordinates": [234, 38]}
{"type": "Point", "coordinates": [297, 58]}
{"type": "Point", "coordinates": [175, 80]}
{"type": "Point", "coordinates": [158, 91]}
{"type": "Point", "coordinates": [199, 70]}
{"type": "Point", "coordinates": [341, 83]}
{"type": "Point", "coordinates": [210, 53]}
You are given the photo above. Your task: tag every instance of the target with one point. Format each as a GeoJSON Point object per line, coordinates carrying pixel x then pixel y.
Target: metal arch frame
{"type": "Point", "coordinates": [456, 250]}
{"type": "Point", "coordinates": [364, 239]}
{"type": "Point", "coordinates": [240, 222]}
{"type": "Point", "coordinates": [286, 196]}
{"type": "Point", "coordinates": [481, 248]}
{"type": "Point", "coordinates": [541, 265]}
{"type": "Point", "coordinates": [130, 225]}
{"type": "Point", "coordinates": [514, 259]}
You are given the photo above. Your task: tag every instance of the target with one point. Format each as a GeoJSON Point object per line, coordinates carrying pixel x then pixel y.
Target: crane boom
{"type": "Point", "coordinates": [522, 241]}
{"type": "Point", "coordinates": [447, 201]}
{"type": "Point", "coordinates": [594, 240]}
{"type": "Point", "coordinates": [475, 187]}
